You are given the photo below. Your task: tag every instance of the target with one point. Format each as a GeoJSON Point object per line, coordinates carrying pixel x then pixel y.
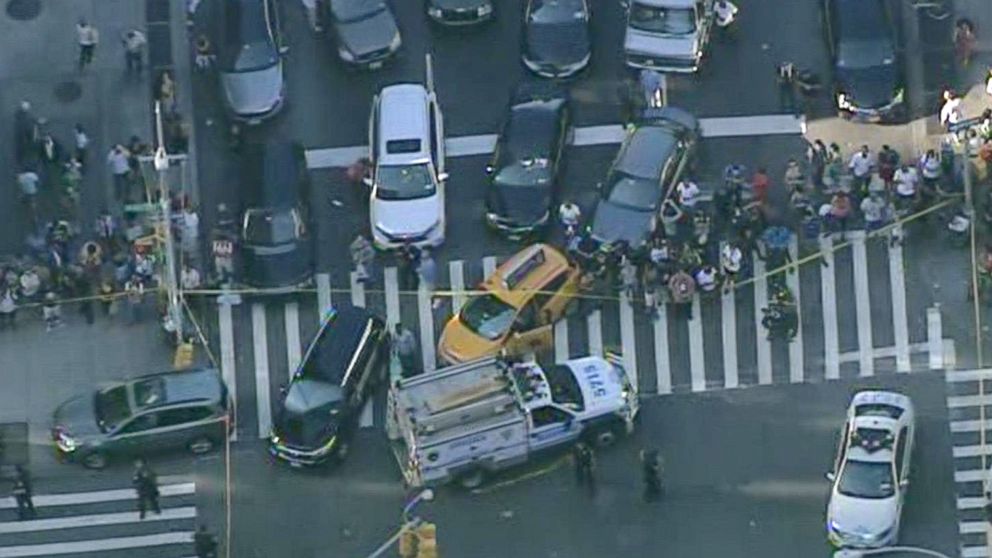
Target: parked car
{"type": "Point", "coordinates": [406, 142]}
{"type": "Point", "coordinates": [868, 78]}
{"type": "Point", "coordinates": [250, 62]}
{"type": "Point", "coordinates": [668, 35]}
{"type": "Point", "coordinates": [158, 412]}
{"type": "Point", "coordinates": [556, 37]}
{"type": "Point", "coordinates": [277, 246]}
{"type": "Point", "coordinates": [871, 472]}
{"type": "Point", "coordinates": [320, 409]}
{"type": "Point", "coordinates": [459, 12]}
{"type": "Point", "coordinates": [365, 31]}
{"type": "Point", "coordinates": [651, 160]}
{"type": "Point", "coordinates": [523, 174]}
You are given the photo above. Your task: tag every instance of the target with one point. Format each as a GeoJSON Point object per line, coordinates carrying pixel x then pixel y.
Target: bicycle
{"type": "Point", "coordinates": [934, 9]}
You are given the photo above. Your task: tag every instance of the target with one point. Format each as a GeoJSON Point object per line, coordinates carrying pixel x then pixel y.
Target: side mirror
{"type": "Point", "coordinates": [367, 180]}
{"type": "Point", "coordinates": [442, 177]}
{"type": "Point", "coordinates": [904, 483]}
{"type": "Point", "coordinates": [830, 475]}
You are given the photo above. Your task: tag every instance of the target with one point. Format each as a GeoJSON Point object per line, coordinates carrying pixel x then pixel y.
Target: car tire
{"type": "Point", "coordinates": [95, 460]}
{"type": "Point", "coordinates": [200, 445]}
{"type": "Point", "coordinates": [472, 479]}
{"type": "Point", "coordinates": [604, 437]}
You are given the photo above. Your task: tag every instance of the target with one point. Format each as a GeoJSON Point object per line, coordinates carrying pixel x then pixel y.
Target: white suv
{"type": "Point", "coordinates": [406, 143]}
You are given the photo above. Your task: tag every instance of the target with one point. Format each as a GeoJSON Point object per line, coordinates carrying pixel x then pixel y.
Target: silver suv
{"type": "Point", "coordinates": [667, 35]}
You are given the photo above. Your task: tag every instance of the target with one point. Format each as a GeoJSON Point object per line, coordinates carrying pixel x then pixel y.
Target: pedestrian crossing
{"type": "Point", "coordinates": [969, 401]}
{"type": "Point", "coordinates": [854, 322]}
{"type": "Point", "coordinates": [102, 523]}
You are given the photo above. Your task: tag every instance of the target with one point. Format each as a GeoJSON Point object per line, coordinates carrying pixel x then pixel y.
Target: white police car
{"type": "Point", "coordinates": [871, 472]}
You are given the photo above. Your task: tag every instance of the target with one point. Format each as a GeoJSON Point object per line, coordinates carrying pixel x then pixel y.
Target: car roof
{"type": "Point", "coordinates": [244, 21]}
{"type": "Point", "coordinates": [537, 264]}
{"type": "Point", "coordinates": [202, 384]}
{"type": "Point", "coordinates": [271, 173]}
{"type": "Point", "coordinates": [645, 151]}
{"type": "Point", "coordinates": [859, 19]}
{"type": "Point", "coordinates": [403, 116]}
{"type": "Point", "coordinates": [530, 129]}
{"type": "Point", "coordinates": [336, 342]}
{"type": "Point", "coordinates": [668, 3]}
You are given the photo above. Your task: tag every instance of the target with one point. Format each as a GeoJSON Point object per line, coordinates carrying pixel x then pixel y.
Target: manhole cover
{"type": "Point", "coordinates": [68, 91]}
{"type": "Point", "coordinates": [23, 9]}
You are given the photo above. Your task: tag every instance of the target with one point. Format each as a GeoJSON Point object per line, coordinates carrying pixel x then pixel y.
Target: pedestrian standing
{"type": "Point", "coordinates": [204, 53]}
{"type": "Point", "coordinates": [88, 37]}
{"type": "Point", "coordinates": [362, 256]}
{"type": "Point", "coordinates": [108, 300]}
{"type": "Point", "coordinates": [651, 468]}
{"type": "Point", "coordinates": [145, 483]}
{"type": "Point", "coordinates": [313, 16]}
{"type": "Point", "coordinates": [88, 295]}
{"type": "Point", "coordinates": [406, 350]}
{"type": "Point", "coordinates": [117, 160]}
{"type": "Point", "coordinates": [23, 494]}
{"type": "Point", "coordinates": [964, 40]}
{"type": "Point", "coordinates": [8, 307]}
{"type": "Point", "coordinates": [585, 466]}
{"type": "Point", "coordinates": [628, 278]}
{"type": "Point", "coordinates": [204, 543]}
{"type": "Point", "coordinates": [409, 258]}
{"type": "Point", "coordinates": [816, 157]}
{"type": "Point", "coordinates": [888, 162]}
{"type": "Point", "coordinates": [785, 74]}
{"type": "Point", "coordinates": [950, 111]}
{"type": "Point", "coordinates": [134, 50]}
{"type": "Point", "coordinates": [189, 278]}
{"type": "Point", "coordinates": [82, 142]}
{"type": "Point", "coordinates": [51, 312]}
{"type": "Point", "coordinates": [190, 232]}
{"type": "Point", "coordinates": [861, 164]}
{"type": "Point", "coordinates": [427, 271]}
{"type": "Point", "coordinates": [134, 290]}
{"type": "Point", "coordinates": [191, 7]}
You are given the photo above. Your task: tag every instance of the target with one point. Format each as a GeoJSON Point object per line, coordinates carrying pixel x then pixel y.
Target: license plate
{"type": "Point", "coordinates": [296, 464]}
{"type": "Point", "coordinates": [375, 65]}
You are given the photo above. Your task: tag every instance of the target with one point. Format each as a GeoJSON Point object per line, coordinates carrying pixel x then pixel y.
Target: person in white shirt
{"type": "Point", "coordinates": [88, 37]}
{"type": "Point", "coordinates": [861, 165]}
{"type": "Point", "coordinates": [569, 215]}
{"type": "Point", "coordinates": [725, 12]}
{"type": "Point", "coordinates": [950, 112]}
{"type": "Point", "coordinates": [688, 193]}
{"type": "Point", "coordinates": [706, 278]}
{"type": "Point", "coordinates": [119, 168]}
{"type": "Point", "coordinates": [134, 50]}
{"type": "Point", "coordinates": [189, 278]}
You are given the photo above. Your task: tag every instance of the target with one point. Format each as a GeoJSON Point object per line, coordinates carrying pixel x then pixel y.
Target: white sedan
{"type": "Point", "coordinates": [871, 472]}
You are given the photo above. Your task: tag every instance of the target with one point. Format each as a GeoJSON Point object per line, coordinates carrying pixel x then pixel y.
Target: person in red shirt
{"type": "Point", "coordinates": [760, 184]}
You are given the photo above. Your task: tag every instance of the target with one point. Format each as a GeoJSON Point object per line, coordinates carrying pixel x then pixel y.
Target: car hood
{"type": "Point", "coordinates": [612, 223]}
{"type": "Point", "coordinates": [558, 45]}
{"type": "Point", "coordinates": [601, 385]}
{"type": "Point", "coordinates": [862, 516]}
{"type": "Point", "coordinates": [459, 4]}
{"type": "Point", "coordinates": [671, 46]}
{"type": "Point", "coordinates": [458, 343]}
{"type": "Point", "coordinates": [870, 87]}
{"type": "Point", "coordinates": [255, 92]}
{"type": "Point", "coordinates": [520, 205]}
{"type": "Point", "coordinates": [368, 35]}
{"type": "Point", "coordinates": [77, 416]}
{"type": "Point", "coordinates": [272, 267]}
{"type": "Point", "coordinates": [406, 217]}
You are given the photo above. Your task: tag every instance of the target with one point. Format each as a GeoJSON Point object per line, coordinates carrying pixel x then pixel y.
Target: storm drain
{"type": "Point", "coordinates": [23, 10]}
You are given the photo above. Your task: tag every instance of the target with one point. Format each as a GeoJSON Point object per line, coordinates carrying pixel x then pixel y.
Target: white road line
{"type": "Point", "coordinates": [357, 291]}
{"type": "Point", "coordinates": [971, 503]}
{"type": "Point", "coordinates": [971, 475]}
{"type": "Point", "coordinates": [971, 451]}
{"type": "Point", "coordinates": [98, 496]}
{"type": "Point", "coordinates": [828, 300]}
{"type": "Point", "coordinates": [796, 363]}
{"type": "Point", "coordinates": [973, 527]}
{"type": "Point", "coordinates": [935, 338]}
{"type": "Point", "coordinates": [628, 337]}
{"type": "Point", "coordinates": [488, 266]}
{"type": "Point", "coordinates": [594, 325]}
{"type": "Point", "coordinates": [456, 273]}
{"type": "Point", "coordinates": [323, 295]}
{"type": "Point", "coordinates": [950, 355]}
{"type": "Point", "coordinates": [483, 144]}
{"type": "Point", "coordinates": [392, 287]}
{"type": "Point", "coordinates": [764, 346]}
{"type": "Point", "coordinates": [258, 333]}
{"type": "Point", "coordinates": [75, 521]}
{"type": "Point", "coordinates": [291, 320]}
{"type": "Point", "coordinates": [900, 320]}
{"type": "Point", "coordinates": [968, 375]}
{"type": "Point", "coordinates": [227, 361]}
{"type": "Point", "coordinates": [890, 352]}
{"type": "Point", "coordinates": [367, 418]}
{"type": "Point", "coordinates": [101, 545]}
{"type": "Point", "coordinates": [426, 313]}
{"type": "Point", "coordinates": [728, 321]}
{"type": "Point", "coordinates": [863, 304]}
{"type": "Point", "coordinates": [697, 353]}
{"type": "Point", "coordinates": [958, 426]}
{"type": "Point", "coordinates": [561, 340]}
{"type": "Point", "coordinates": [662, 365]}
{"type": "Point", "coordinates": [974, 552]}
{"type": "Point", "coordinates": [965, 401]}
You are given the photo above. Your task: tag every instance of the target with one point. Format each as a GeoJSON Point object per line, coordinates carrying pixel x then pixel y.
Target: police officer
{"type": "Point", "coordinates": [585, 464]}
{"type": "Point", "coordinates": [786, 77]}
{"type": "Point", "coordinates": [204, 543]}
{"type": "Point", "coordinates": [651, 467]}
{"type": "Point", "coordinates": [145, 483]}
{"type": "Point", "coordinates": [22, 494]}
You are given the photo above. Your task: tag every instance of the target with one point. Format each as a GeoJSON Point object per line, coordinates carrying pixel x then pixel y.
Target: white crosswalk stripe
{"type": "Point", "coordinates": [96, 522]}
{"type": "Point", "coordinates": [658, 367]}
{"type": "Point", "coordinates": [972, 457]}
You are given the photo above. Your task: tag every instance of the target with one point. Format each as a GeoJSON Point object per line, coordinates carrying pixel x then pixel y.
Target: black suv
{"type": "Point", "coordinates": [157, 412]}
{"type": "Point", "coordinates": [341, 369]}
{"type": "Point", "coordinates": [277, 246]}
{"type": "Point", "coordinates": [868, 80]}
{"type": "Point", "coordinates": [524, 171]}
{"type": "Point", "coordinates": [459, 12]}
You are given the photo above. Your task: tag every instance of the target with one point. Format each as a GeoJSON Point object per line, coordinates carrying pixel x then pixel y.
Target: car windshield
{"type": "Point", "coordinates": [488, 316]}
{"type": "Point", "coordinates": [564, 388]}
{"type": "Point", "coordinates": [268, 228]}
{"type": "Point", "coordinates": [149, 392]}
{"type": "Point", "coordinates": [864, 54]}
{"type": "Point", "coordinates": [670, 21]}
{"type": "Point", "coordinates": [634, 193]}
{"type": "Point", "coordinates": [350, 11]}
{"type": "Point", "coordinates": [556, 12]}
{"type": "Point", "coordinates": [247, 44]}
{"type": "Point", "coordinates": [867, 479]}
{"type": "Point", "coordinates": [112, 407]}
{"type": "Point", "coordinates": [404, 182]}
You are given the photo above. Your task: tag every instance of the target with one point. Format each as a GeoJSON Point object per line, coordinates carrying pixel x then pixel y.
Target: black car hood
{"type": "Point", "coordinates": [459, 4]}
{"type": "Point", "coordinates": [78, 416]}
{"type": "Point", "coordinates": [272, 270]}
{"type": "Point", "coordinates": [869, 87]}
{"type": "Point", "coordinates": [520, 205]}
{"type": "Point", "coordinates": [368, 35]}
{"type": "Point", "coordinates": [304, 420]}
{"type": "Point", "coordinates": [612, 223]}
{"type": "Point", "coordinates": [557, 45]}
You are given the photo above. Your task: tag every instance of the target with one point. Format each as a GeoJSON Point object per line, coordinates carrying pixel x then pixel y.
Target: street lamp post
{"type": "Point", "coordinates": [409, 523]}
{"type": "Point", "coordinates": [856, 553]}
{"type": "Point", "coordinates": [161, 162]}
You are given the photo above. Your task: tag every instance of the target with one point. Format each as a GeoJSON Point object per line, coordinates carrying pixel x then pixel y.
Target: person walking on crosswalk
{"type": "Point", "coordinates": [23, 494]}
{"type": "Point", "coordinates": [204, 543]}
{"type": "Point", "coordinates": [145, 483]}
{"type": "Point", "coordinates": [406, 350]}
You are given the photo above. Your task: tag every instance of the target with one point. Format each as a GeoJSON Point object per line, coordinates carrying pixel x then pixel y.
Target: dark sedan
{"type": "Point", "coordinates": [460, 12]}
{"type": "Point", "coordinates": [651, 160]}
{"type": "Point", "coordinates": [525, 166]}
{"type": "Point", "coordinates": [556, 37]}
{"type": "Point", "coordinates": [868, 80]}
{"type": "Point", "coordinates": [365, 31]}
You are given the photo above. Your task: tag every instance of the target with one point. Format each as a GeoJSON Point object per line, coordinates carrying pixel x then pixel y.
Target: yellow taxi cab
{"type": "Point", "coordinates": [521, 301]}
